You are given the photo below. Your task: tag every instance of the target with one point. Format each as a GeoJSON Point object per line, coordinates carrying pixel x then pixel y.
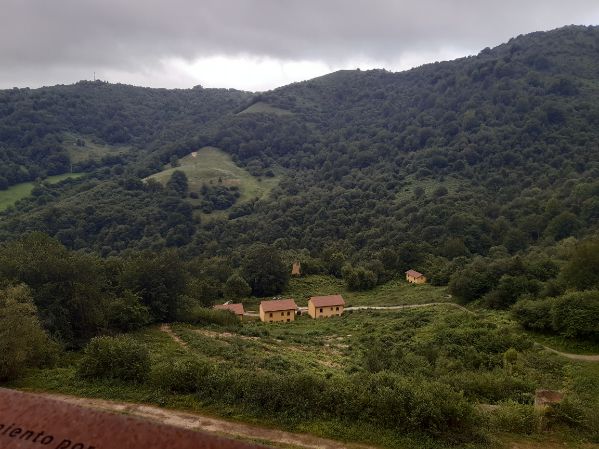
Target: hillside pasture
{"type": "Point", "coordinates": [92, 150]}
{"type": "Point", "coordinates": [212, 166]}
{"type": "Point", "coordinates": [17, 192]}
{"type": "Point", "coordinates": [264, 108]}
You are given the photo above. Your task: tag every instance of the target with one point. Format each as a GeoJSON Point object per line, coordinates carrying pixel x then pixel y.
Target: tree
{"type": "Point", "coordinates": [582, 270]}
{"type": "Point", "coordinates": [66, 287]}
{"type": "Point", "coordinates": [264, 270]}
{"type": "Point", "coordinates": [359, 278]}
{"type": "Point", "coordinates": [160, 281]}
{"type": "Point", "coordinates": [23, 342]}
{"type": "Point", "coordinates": [178, 183]}
{"type": "Point", "coordinates": [574, 315]}
{"type": "Point", "coordinates": [236, 287]}
{"type": "Point", "coordinates": [127, 313]}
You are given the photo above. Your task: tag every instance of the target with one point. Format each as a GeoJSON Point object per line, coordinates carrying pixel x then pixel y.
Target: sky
{"type": "Point", "coordinates": [254, 45]}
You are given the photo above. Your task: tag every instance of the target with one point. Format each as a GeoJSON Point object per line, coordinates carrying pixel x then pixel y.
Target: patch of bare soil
{"type": "Point", "coordinates": [195, 421]}
{"type": "Point", "coordinates": [213, 334]}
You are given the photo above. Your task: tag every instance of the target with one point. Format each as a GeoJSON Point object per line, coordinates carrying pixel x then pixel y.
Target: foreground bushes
{"type": "Point", "coordinates": [383, 399]}
{"type": "Point", "coordinates": [115, 358]}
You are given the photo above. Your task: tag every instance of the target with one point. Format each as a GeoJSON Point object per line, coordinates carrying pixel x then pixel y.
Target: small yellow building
{"type": "Point", "coordinates": [325, 306]}
{"type": "Point", "coordinates": [237, 309]}
{"type": "Point", "coordinates": [413, 277]}
{"type": "Point", "coordinates": [296, 269]}
{"type": "Point", "coordinates": [278, 310]}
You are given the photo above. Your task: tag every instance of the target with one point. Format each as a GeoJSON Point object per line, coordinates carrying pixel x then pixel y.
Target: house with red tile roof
{"type": "Point", "coordinates": [237, 309]}
{"type": "Point", "coordinates": [325, 306]}
{"type": "Point", "coordinates": [278, 310]}
{"type": "Point", "coordinates": [414, 277]}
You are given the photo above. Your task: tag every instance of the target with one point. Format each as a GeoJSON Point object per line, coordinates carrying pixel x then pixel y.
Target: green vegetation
{"type": "Point", "coordinates": [23, 342]}
{"type": "Point", "coordinates": [85, 149]}
{"type": "Point", "coordinates": [115, 358]}
{"type": "Point", "coordinates": [362, 369]}
{"type": "Point", "coordinates": [264, 108]}
{"type": "Point", "coordinates": [17, 192]}
{"type": "Point", "coordinates": [393, 293]}
{"type": "Point", "coordinates": [481, 173]}
{"type": "Point", "coordinates": [212, 167]}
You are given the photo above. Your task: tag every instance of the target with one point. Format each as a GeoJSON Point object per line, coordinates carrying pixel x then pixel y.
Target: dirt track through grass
{"type": "Point", "coordinates": [194, 421]}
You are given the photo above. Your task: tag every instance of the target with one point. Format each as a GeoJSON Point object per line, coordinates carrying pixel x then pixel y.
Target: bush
{"type": "Point", "coordinates": [179, 375]}
{"type": "Point", "coordinates": [534, 314]}
{"type": "Point", "coordinates": [491, 387]}
{"type": "Point", "coordinates": [203, 315]}
{"type": "Point", "coordinates": [575, 315]}
{"type": "Point", "coordinates": [516, 418]}
{"type": "Point", "coordinates": [115, 358]}
{"type": "Point", "coordinates": [127, 313]}
{"type": "Point", "coordinates": [359, 278]}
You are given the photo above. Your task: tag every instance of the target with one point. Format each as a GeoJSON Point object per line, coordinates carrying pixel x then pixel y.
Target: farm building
{"type": "Point", "coordinates": [325, 306]}
{"type": "Point", "coordinates": [278, 310]}
{"type": "Point", "coordinates": [414, 277]}
{"type": "Point", "coordinates": [237, 309]}
{"type": "Point", "coordinates": [296, 269]}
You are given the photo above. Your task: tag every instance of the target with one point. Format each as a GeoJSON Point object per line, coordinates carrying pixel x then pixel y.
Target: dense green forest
{"type": "Point", "coordinates": [454, 158]}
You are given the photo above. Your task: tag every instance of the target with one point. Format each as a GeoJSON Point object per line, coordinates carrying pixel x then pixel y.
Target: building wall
{"type": "Point", "coordinates": [279, 315]}
{"type": "Point", "coordinates": [414, 280]}
{"type": "Point", "coordinates": [324, 312]}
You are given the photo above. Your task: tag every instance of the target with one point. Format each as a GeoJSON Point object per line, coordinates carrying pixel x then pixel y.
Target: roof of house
{"type": "Point", "coordinates": [326, 301]}
{"type": "Point", "coordinates": [414, 273]}
{"type": "Point", "coordinates": [237, 309]}
{"type": "Point", "coordinates": [278, 304]}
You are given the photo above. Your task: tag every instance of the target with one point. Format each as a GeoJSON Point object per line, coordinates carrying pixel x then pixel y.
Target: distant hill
{"type": "Point", "coordinates": [449, 159]}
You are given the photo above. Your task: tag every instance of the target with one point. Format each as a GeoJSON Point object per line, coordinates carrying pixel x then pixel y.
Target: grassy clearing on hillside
{"type": "Point", "coordinates": [209, 165]}
{"type": "Point", "coordinates": [394, 293]}
{"type": "Point", "coordinates": [265, 108]}
{"type": "Point", "coordinates": [92, 149]}
{"type": "Point", "coordinates": [17, 192]}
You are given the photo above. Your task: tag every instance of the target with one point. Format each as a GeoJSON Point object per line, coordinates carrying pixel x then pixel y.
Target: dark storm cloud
{"type": "Point", "coordinates": [125, 34]}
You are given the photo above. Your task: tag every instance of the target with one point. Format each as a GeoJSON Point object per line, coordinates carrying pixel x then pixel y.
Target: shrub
{"type": "Point", "coordinates": [203, 315]}
{"type": "Point", "coordinates": [534, 314]}
{"type": "Point", "coordinates": [115, 358]}
{"type": "Point", "coordinates": [575, 314]}
{"type": "Point", "coordinates": [359, 278]}
{"type": "Point", "coordinates": [127, 312]}
{"type": "Point", "coordinates": [513, 417]}
{"type": "Point", "coordinates": [179, 375]}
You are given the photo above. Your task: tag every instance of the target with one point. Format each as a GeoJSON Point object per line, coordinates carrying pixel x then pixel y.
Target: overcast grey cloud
{"type": "Point", "coordinates": [253, 44]}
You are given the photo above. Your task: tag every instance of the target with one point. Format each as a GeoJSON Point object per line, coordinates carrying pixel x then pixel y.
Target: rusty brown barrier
{"type": "Point", "coordinates": [30, 421]}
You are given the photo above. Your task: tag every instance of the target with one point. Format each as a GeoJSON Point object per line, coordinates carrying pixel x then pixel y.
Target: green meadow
{"type": "Point", "coordinates": [17, 192]}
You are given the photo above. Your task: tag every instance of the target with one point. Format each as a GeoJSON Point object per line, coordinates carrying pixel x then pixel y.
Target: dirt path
{"type": "Point", "coordinates": [411, 306]}
{"type": "Point", "coordinates": [166, 328]}
{"type": "Point", "coordinates": [579, 357]}
{"type": "Point", "coordinates": [195, 421]}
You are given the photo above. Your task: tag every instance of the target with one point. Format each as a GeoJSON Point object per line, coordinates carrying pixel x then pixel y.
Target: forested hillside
{"type": "Point", "coordinates": [447, 160]}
